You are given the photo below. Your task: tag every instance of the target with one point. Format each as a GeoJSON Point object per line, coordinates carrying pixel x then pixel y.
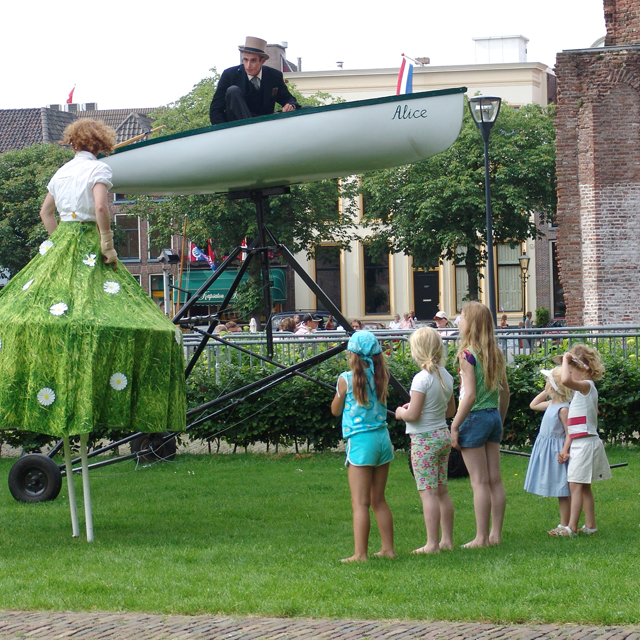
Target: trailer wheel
{"type": "Point", "coordinates": [158, 450]}
{"type": "Point", "coordinates": [35, 478]}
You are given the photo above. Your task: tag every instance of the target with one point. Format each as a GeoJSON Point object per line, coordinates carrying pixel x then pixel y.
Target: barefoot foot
{"type": "Point", "coordinates": [426, 549]}
{"type": "Point", "coordinates": [355, 559]}
{"type": "Point", "coordinates": [476, 544]}
{"type": "Point", "coordinates": [385, 553]}
{"type": "Point", "coordinates": [446, 546]}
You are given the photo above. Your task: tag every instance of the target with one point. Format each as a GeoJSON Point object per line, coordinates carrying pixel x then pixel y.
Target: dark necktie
{"type": "Point", "coordinates": [255, 81]}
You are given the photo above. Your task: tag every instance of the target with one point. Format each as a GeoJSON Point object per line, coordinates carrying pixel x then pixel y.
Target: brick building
{"type": "Point", "coordinates": [598, 166]}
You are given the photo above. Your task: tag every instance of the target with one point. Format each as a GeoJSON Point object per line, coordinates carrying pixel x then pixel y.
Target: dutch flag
{"type": "Point", "coordinates": [405, 77]}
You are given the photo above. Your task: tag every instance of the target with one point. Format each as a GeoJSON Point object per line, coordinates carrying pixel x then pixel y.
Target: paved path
{"type": "Point", "coordinates": [112, 626]}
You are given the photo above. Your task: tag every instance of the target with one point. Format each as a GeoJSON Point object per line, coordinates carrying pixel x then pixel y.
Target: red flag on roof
{"type": "Point", "coordinates": [70, 98]}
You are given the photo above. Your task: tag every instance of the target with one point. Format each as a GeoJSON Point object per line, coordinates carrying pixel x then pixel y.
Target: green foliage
{"type": "Point", "coordinates": [542, 317]}
{"type": "Point", "coordinates": [435, 209]}
{"type": "Point", "coordinates": [297, 410]}
{"type": "Point", "coordinates": [24, 175]}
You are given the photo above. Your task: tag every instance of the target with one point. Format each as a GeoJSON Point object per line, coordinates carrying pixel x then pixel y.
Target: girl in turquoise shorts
{"type": "Point", "coordinates": [361, 399]}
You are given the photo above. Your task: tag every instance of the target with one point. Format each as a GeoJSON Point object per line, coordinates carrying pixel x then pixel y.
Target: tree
{"type": "Point", "coordinates": [435, 209]}
{"type": "Point", "coordinates": [24, 175]}
{"type": "Point", "coordinates": [309, 216]}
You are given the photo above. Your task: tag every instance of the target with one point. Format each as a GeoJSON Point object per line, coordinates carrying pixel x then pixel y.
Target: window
{"type": "Point", "coordinates": [376, 284]}
{"type": "Point", "coordinates": [155, 246]}
{"type": "Point", "coordinates": [156, 289]}
{"type": "Point", "coordinates": [462, 278]}
{"type": "Point", "coordinates": [128, 234]}
{"type": "Point", "coordinates": [509, 278]}
{"type": "Point", "coordinates": [136, 277]}
{"type": "Point", "coordinates": [328, 274]}
{"type": "Point", "coordinates": [121, 198]}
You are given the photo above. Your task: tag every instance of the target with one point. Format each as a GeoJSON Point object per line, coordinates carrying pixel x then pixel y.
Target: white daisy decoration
{"type": "Point", "coordinates": [118, 381]}
{"type": "Point", "coordinates": [58, 308]}
{"type": "Point", "coordinates": [0, 344]}
{"type": "Point", "coordinates": [178, 335]}
{"type": "Point", "coordinates": [46, 396]}
{"type": "Point", "coordinates": [45, 246]}
{"type": "Point", "coordinates": [90, 260]}
{"type": "Point", "coordinates": [111, 287]}
{"type": "Point", "coordinates": [26, 285]}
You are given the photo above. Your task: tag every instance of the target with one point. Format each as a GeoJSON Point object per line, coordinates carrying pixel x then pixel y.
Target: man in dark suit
{"type": "Point", "coordinates": [250, 89]}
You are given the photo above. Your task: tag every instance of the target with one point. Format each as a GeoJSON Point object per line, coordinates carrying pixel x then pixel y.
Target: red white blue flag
{"type": "Point", "coordinates": [405, 77]}
{"type": "Point", "coordinates": [196, 255]}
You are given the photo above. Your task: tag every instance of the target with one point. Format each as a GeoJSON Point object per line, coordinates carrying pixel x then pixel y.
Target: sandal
{"type": "Point", "coordinates": [589, 532]}
{"type": "Point", "coordinates": [566, 532]}
{"type": "Point", "coordinates": [556, 532]}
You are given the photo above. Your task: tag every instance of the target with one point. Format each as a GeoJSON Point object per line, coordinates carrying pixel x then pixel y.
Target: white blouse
{"type": "Point", "coordinates": [72, 186]}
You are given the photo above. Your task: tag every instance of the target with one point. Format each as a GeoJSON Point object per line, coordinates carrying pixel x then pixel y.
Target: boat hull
{"type": "Point", "coordinates": [302, 146]}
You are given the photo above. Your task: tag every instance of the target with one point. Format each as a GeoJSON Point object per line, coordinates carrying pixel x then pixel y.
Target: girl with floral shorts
{"type": "Point", "coordinates": [431, 403]}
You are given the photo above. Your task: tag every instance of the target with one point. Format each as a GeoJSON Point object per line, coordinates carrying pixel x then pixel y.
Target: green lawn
{"type": "Point", "coordinates": [262, 535]}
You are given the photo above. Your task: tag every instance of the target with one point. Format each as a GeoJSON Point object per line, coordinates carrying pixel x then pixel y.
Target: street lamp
{"type": "Point", "coordinates": [524, 270]}
{"type": "Point", "coordinates": [167, 257]}
{"type": "Point", "coordinates": [484, 111]}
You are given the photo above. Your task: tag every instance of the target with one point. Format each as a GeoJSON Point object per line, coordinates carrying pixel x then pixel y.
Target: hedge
{"type": "Point", "coordinates": [296, 412]}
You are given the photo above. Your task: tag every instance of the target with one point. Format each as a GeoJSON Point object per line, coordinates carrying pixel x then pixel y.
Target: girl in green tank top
{"type": "Point", "coordinates": [477, 426]}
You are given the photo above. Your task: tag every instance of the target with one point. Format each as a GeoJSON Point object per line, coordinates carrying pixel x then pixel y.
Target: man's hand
{"type": "Point", "coordinates": [288, 107]}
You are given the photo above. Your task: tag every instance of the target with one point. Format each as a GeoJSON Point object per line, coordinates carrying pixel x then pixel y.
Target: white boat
{"type": "Point", "coordinates": [289, 148]}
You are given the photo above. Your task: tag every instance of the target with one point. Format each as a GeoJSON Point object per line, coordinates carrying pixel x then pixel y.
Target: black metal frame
{"type": "Point", "coordinates": [260, 248]}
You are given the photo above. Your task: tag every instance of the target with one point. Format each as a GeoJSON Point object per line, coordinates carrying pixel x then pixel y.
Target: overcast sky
{"type": "Point", "coordinates": [146, 54]}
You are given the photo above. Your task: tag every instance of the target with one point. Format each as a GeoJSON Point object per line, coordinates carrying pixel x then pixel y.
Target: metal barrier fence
{"type": "Point", "coordinates": [289, 348]}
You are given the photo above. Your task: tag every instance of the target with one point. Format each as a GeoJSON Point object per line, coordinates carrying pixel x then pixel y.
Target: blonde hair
{"type": "Point", "coordinates": [359, 379]}
{"type": "Point", "coordinates": [90, 135]}
{"type": "Point", "coordinates": [563, 394]}
{"type": "Point", "coordinates": [479, 336]}
{"type": "Point", "coordinates": [587, 358]}
{"type": "Point", "coordinates": [427, 349]}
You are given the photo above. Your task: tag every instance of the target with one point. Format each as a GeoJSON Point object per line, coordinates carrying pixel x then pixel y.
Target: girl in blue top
{"type": "Point", "coordinates": [361, 397]}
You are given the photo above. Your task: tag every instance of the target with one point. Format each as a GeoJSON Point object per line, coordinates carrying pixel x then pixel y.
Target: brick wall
{"type": "Point", "coordinates": [622, 18]}
{"type": "Point", "coordinates": [598, 164]}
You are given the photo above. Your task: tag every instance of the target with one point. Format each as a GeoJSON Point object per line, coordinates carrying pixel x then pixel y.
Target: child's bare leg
{"type": "Point", "coordinates": [588, 505]}
{"type": "Point", "coordinates": [382, 511]}
{"type": "Point", "coordinates": [431, 511]}
{"type": "Point", "coordinates": [475, 459]}
{"type": "Point", "coordinates": [446, 517]}
{"type": "Point", "coordinates": [576, 504]}
{"type": "Point", "coordinates": [498, 495]}
{"type": "Point", "coordinates": [360, 479]}
{"type": "Point", "coordinates": [564, 505]}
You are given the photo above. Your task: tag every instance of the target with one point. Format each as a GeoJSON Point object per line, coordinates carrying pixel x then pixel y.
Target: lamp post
{"type": "Point", "coordinates": [524, 274]}
{"type": "Point", "coordinates": [484, 111]}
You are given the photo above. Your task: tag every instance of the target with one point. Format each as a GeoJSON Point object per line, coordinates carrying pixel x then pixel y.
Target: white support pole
{"type": "Point", "coordinates": [86, 490]}
{"type": "Point", "coordinates": [75, 528]}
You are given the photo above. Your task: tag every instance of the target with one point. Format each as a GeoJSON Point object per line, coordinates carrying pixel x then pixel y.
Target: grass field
{"type": "Point", "coordinates": [263, 535]}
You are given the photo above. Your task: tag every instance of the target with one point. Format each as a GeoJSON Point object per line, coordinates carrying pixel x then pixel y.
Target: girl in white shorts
{"type": "Point", "coordinates": [583, 448]}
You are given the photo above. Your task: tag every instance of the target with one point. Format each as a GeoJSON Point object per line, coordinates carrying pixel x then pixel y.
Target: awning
{"type": "Point", "coordinates": [193, 279]}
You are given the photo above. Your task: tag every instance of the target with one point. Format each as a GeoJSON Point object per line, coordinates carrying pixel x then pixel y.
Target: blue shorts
{"type": "Point", "coordinates": [369, 448]}
{"type": "Point", "coordinates": [480, 427]}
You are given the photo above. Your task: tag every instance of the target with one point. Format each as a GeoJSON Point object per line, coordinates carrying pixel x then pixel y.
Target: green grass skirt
{"type": "Point", "coordinates": [84, 346]}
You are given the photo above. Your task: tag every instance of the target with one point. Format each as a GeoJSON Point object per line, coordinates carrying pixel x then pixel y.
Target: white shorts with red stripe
{"type": "Point", "coordinates": [587, 461]}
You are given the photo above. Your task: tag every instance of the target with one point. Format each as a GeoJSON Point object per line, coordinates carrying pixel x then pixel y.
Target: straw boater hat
{"type": "Point", "coordinates": [255, 45]}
